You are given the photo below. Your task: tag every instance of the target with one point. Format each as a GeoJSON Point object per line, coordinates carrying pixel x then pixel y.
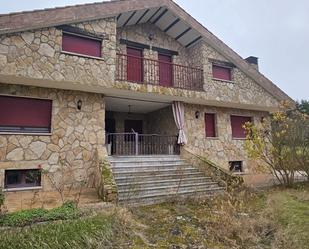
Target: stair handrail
{"type": "Point", "coordinates": [219, 174]}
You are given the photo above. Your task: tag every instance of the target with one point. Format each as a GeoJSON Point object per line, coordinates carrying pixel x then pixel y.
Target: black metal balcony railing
{"type": "Point", "coordinates": [141, 144]}
{"type": "Point", "coordinates": [148, 71]}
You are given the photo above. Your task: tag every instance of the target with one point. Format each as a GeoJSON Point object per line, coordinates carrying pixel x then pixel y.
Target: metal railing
{"type": "Point", "coordinates": [141, 144]}
{"type": "Point", "coordinates": [148, 71]}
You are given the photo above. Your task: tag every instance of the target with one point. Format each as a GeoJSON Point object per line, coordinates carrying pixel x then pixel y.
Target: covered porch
{"type": "Point", "coordinates": [140, 127]}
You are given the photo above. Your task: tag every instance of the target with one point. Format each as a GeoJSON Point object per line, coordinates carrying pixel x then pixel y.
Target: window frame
{"type": "Point", "coordinates": [28, 130]}
{"type": "Point", "coordinates": [230, 68]}
{"type": "Point", "coordinates": [22, 175]}
{"type": "Point", "coordinates": [215, 125]}
{"type": "Point", "coordinates": [232, 168]}
{"type": "Point", "coordinates": [244, 116]}
{"type": "Point", "coordinates": [79, 54]}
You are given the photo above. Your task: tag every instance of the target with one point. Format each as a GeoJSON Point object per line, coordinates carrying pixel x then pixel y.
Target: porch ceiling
{"type": "Point", "coordinates": [117, 104]}
{"type": "Point", "coordinates": [164, 19]}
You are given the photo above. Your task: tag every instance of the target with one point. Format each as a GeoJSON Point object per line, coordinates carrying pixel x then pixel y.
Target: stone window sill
{"type": "Point", "coordinates": [225, 81]}
{"type": "Point", "coordinates": [82, 55]}
{"type": "Point", "coordinates": [26, 133]}
{"type": "Point", "coordinates": [239, 173]}
{"type": "Point", "coordinates": [213, 138]}
{"type": "Point", "coordinates": [22, 189]}
{"type": "Point", "coordinates": [239, 138]}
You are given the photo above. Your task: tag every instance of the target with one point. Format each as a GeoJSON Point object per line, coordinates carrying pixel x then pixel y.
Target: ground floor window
{"type": "Point", "coordinates": [210, 125]}
{"type": "Point", "coordinates": [25, 115]}
{"type": "Point", "coordinates": [237, 123]}
{"type": "Point", "coordinates": [236, 166]}
{"type": "Point", "coordinates": [22, 178]}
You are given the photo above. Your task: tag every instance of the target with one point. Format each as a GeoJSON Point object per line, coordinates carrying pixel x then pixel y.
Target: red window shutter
{"type": "Point", "coordinates": [210, 125]}
{"type": "Point", "coordinates": [222, 73]}
{"type": "Point", "coordinates": [25, 112]}
{"type": "Point", "coordinates": [81, 45]}
{"type": "Point", "coordinates": [165, 70]}
{"type": "Point", "coordinates": [237, 123]}
{"type": "Point", "coordinates": [135, 65]}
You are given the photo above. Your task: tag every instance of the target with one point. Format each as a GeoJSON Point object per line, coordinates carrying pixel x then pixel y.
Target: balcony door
{"type": "Point", "coordinates": [165, 70]}
{"type": "Point", "coordinates": [135, 64]}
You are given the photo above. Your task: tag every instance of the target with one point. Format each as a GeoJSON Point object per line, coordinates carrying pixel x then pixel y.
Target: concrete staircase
{"type": "Point", "coordinates": [154, 179]}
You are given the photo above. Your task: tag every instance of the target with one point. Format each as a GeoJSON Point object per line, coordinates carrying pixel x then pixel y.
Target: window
{"type": "Point", "coordinates": [165, 70]}
{"type": "Point", "coordinates": [81, 44]}
{"type": "Point", "coordinates": [221, 72]}
{"type": "Point", "coordinates": [26, 115]}
{"type": "Point", "coordinates": [236, 166]}
{"type": "Point", "coordinates": [22, 178]}
{"type": "Point", "coordinates": [210, 125]}
{"type": "Point", "coordinates": [237, 123]}
{"type": "Point", "coordinates": [134, 64]}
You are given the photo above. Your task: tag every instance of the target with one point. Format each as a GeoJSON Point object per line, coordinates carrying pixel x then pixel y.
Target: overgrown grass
{"type": "Point", "coordinates": [274, 219]}
{"type": "Point", "coordinates": [27, 217]}
{"type": "Point", "coordinates": [291, 213]}
{"type": "Point", "coordinates": [89, 233]}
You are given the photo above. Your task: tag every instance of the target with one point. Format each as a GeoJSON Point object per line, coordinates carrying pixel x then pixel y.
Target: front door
{"type": "Point", "coordinates": [133, 125]}
{"type": "Point", "coordinates": [134, 65]}
{"type": "Point", "coordinates": [165, 70]}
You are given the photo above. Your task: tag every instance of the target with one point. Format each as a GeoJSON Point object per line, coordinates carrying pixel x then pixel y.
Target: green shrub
{"type": "Point", "coordinates": [26, 217]}
{"type": "Point", "coordinates": [2, 198]}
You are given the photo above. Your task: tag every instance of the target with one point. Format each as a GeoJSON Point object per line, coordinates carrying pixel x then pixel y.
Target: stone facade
{"type": "Point", "coordinates": [32, 64]}
{"type": "Point", "coordinates": [67, 154]}
{"type": "Point", "coordinates": [38, 55]}
{"type": "Point", "coordinates": [241, 90]}
{"type": "Point", "coordinates": [222, 148]}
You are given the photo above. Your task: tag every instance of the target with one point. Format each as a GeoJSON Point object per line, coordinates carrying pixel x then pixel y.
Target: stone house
{"type": "Point", "coordinates": [84, 82]}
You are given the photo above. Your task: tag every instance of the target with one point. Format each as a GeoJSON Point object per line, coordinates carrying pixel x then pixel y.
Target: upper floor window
{"type": "Point", "coordinates": [210, 125]}
{"type": "Point", "coordinates": [221, 72]}
{"type": "Point", "coordinates": [80, 44]}
{"type": "Point", "coordinates": [26, 115]}
{"type": "Point", "coordinates": [134, 64]}
{"type": "Point", "coordinates": [237, 123]}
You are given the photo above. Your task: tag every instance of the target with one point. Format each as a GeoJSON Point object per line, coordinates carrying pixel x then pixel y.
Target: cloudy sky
{"type": "Point", "coordinates": [276, 31]}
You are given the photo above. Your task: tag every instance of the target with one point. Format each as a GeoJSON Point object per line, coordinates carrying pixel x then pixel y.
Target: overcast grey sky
{"type": "Point", "coordinates": [276, 31]}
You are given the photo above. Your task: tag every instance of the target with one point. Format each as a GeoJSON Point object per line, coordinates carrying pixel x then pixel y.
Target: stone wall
{"type": "Point", "coordinates": [242, 89]}
{"type": "Point", "coordinates": [38, 54]}
{"type": "Point", "coordinates": [162, 122]}
{"type": "Point", "coordinates": [139, 33]}
{"type": "Point", "coordinates": [67, 154]}
{"type": "Point", "coordinates": [223, 148]}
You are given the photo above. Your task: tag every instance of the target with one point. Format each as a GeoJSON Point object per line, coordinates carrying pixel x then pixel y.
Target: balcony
{"type": "Point", "coordinates": [142, 70]}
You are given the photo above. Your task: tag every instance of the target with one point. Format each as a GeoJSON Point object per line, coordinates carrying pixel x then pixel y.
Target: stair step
{"type": "Point", "coordinates": [166, 196]}
{"type": "Point", "coordinates": [151, 168]}
{"type": "Point", "coordinates": [155, 172]}
{"type": "Point", "coordinates": [160, 181]}
{"type": "Point", "coordinates": [142, 188]}
{"type": "Point", "coordinates": [142, 158]}
{"type": "Point", "coordinates": [151, 179]}
{"type": "Point", "coordinates": [165, 176]}
{"type": "Point", "coordinates": [146, 163]}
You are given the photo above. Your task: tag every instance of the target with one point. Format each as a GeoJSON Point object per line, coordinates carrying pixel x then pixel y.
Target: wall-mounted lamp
{"type": "Point", "coordinates": [79, 104]}
{"type": "Point", "coordinates": [151, 36]}
{"type": "Point", "coordinates": [197, 114]}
